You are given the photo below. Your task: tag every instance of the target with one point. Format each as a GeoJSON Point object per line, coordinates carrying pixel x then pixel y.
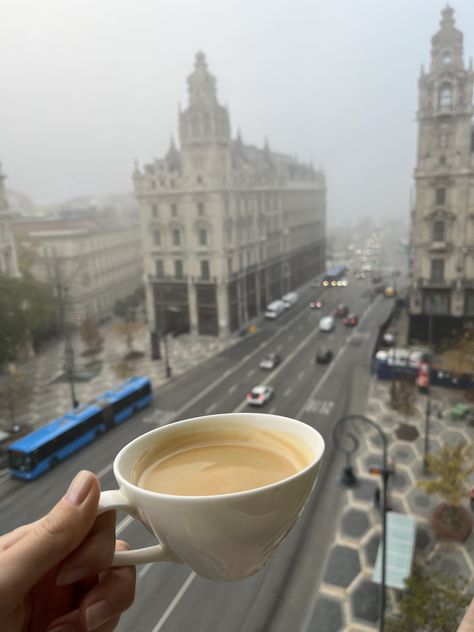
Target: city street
{"type": "Point", "coordinates": [171, 597]}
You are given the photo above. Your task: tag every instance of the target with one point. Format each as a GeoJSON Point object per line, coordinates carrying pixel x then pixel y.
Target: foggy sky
{"type": "Point", "coordinates": [87, 86]}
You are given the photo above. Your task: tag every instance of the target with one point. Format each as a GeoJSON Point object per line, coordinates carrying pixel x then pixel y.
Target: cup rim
{"type": "Point", "coordinates": [122, 480]}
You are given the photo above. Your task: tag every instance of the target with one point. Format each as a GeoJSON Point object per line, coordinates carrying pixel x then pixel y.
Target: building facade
{"type": "Point", "coordinates": [441, 297]}
{"type": "Point", "coordinates": [89, 264]}
{"type": "Point", "coordinates": [226, 227]}
{"type": "Point", "coordinates": [8, 258]}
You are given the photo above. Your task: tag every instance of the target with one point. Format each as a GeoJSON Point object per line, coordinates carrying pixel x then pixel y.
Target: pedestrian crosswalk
{"type": "Point", "coordinates": [321, 407]}
{"type": "Point", "coordinates": [159, 417]}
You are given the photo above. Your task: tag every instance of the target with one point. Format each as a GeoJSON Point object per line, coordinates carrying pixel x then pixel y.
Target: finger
{"type": "Point", "coordinates": [113, 594]}
{"type": "Point", "coordinates": [93, 555]}
{"type": "Point", "coordinates": [467, 624]}
{"type": "Point", "coordinates": [9, 539]}
{"type": "Point", "coordinates": [50, 539]}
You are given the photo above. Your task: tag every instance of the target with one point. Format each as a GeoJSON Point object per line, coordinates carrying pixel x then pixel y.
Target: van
{"type": "Point", "coordinates": [326, 323]}
{"type": "Point", "coordinates": [274, 310]}
{"type": "Point", "coordinates": [290, 299]}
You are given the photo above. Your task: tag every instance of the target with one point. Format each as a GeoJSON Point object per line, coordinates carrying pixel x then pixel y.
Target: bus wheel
{"type": "Point", "coordinates": [54, 461]}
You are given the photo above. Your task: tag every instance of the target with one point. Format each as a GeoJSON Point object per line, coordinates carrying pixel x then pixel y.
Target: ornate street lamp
{"type": "Point", "coordinates": [346, 440]}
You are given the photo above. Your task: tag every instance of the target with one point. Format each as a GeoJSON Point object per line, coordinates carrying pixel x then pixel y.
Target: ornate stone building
{"type": "Point", "coordinates": [8, 259]}
{"type": "Point", "coordinates": [226, 227]}
{"type": "Point", "coordinates": [442, 227]}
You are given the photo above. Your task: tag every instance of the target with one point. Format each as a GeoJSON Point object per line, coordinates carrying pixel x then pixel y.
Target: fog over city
{"type": "Point", "coordinates": [88, 87]}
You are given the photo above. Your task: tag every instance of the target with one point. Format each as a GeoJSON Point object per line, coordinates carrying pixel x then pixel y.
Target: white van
{"type": "Point", "coordinates": [290, 299]}
{"type": "Point", "coordinates": [326, 323]}
{"type": "Point", "coordinates": [274, 310]}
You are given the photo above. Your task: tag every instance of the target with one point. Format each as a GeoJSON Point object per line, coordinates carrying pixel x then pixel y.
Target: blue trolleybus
{"type": "Point", "coordinates": [44, 448]}
{"type": "Point", "coordinates": [335, 276]}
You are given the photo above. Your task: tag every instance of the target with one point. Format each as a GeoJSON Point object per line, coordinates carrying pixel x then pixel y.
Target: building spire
{"type": "Point", "coordinates": [447, 17]}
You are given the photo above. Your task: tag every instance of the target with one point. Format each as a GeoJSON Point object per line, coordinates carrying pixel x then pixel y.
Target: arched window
{"type": "Point", "coordinates": [446, 96]}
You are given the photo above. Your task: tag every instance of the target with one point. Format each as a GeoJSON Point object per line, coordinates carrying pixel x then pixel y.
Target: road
{"type": "Point", "coordinates": [171, 597]}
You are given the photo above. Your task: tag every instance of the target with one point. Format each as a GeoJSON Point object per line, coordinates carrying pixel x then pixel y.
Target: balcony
{"type": "Point", "coordinates": [442, 284]}
{"type": "Point", "coordinates": [439, 246]}
{"type": "Point", "coordinates": [206, 280]}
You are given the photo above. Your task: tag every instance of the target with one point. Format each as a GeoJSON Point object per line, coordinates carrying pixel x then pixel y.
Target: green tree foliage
{"type": "Point", "coordinates": [452, 466]}
{"type": "Point", "coordinates": [432, 602]}
{"type": "Point", "coordinates": [26, 313]}
{"type": "Point", "coordinates": [90, 335]}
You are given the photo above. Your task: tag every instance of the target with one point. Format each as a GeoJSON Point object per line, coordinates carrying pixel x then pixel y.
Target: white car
{"type": "Point", "coordinates": [326, 323]}
{"type": "Point", "coordinates": [259, 395]}
{"type": "Point", "coordinates": [290, 299]}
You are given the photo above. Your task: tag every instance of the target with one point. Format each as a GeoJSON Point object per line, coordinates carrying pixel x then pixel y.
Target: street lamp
{"type": "Point", "coordinates": [345, 439]}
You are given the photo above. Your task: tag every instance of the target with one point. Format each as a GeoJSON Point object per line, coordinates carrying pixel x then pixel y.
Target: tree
{"type": "Point", "coordinates": [91, 336]}
{"type": "Point", "coordinates": [26, 313]}
{"type": "Point", "coordinates": [124, 369]}
{"type": "Point", "coordinates": [128, 331]}
{"type": "Point", "coordinates": [452, 465]}
{"type": "Point", "coordinates": [402, 396]}
{"type": "Point", "coordinates": [14, 388]}
{"type": "Point", "coordinates": [458, 355]}
{"type": "Point", "coordinates": [432, 602]}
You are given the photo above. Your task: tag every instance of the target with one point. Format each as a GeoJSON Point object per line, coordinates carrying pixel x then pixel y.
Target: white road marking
{"type": "Point", "coordinates": [145, 570]}
{"type": "Point", "coordinates": [321, 407]}
{"type": "Point", "coordinates": [123, 524]}
{"type": "Point", "coordinates": [210, 408]}
{"type": "Point", "coordinates": [104, 470]}
{"type": "Point", "coordinates": [232, 389]}
{"type": "Point", "coordinates": [287, 392]}
{"type": "Point", "coordinates": [301, 375]}
{"type": "Point", "coordinates": [251, 372]}
{"type": "Point", "coordinates": [272, 410]}
{"type": "Point", "coordinates": [175, 602]}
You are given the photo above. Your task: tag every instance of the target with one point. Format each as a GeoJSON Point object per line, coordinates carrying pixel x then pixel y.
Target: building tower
{"type": "Point", "coordinates": [442, 227]}
{"type": "Point", "coordinates": [8, 259]}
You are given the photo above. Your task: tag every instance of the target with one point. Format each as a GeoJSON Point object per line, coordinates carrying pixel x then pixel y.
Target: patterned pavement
{"type": "Point", "coordinates": [348, 599]}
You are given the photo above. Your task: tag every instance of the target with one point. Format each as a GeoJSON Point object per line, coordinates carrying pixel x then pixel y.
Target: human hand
{"type": "Point", "coordinates": [467, 624]}
{"type": "Point", "coordinates": [55, 573]}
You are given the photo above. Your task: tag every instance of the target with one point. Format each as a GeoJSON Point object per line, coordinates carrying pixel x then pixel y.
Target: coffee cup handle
{"type": "Point", "coordinates": [114, 499]}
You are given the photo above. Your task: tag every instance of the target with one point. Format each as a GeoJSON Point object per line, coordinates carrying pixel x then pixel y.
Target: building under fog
{"type": "Point", "coordinates": [442, 227]}
{"type": "Point", "coordinates": [89, 263]}
{"type": "Point", "coordinates": [8, 258]}
{"type": "Point", "coordinates": [227, 227]}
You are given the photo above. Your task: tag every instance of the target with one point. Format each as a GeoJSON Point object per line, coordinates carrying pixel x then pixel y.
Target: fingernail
{"type": "Point", "coordinates": [79, 488]}
{"type": "Point", "coordinates": [71, 575]}
{"type": "Point", "coordinates": [97, 614]}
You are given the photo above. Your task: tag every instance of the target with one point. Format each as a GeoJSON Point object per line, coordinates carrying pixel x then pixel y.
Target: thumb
{"type": "Point", "coordinates": [52, 538]}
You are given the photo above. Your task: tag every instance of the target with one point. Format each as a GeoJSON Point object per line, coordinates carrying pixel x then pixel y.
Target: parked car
{"type": "Point", "coordinates": [324, 356]}
{"type": "Point", "coordinates": [316, 304]}
{"type": "Point", "coordinates": [270, 361]}
{"type": "Point", "coordinates": [290, 299]}
{"type": "Point", "coordinates": [326, 323]}
{"type": "Point", "coordinates": [351, 321]}
{"type": "Point", "coordinates": [259, 395]}
{"type": "Point", "coordinates": [341, 310]}
{"type": "Point", "coordinates": [274, 310]}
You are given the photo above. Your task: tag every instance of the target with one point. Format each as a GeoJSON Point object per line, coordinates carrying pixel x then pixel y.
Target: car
{"type": "Point", "coordinates": [388, 339]}
{"type": "Point", "coordinates": [326, 324]}
{"type": "Point", "coordinates": [274, 310]}
{"type": "Point", "coordinates": [351, 321]}
{"type": "Point", "coordinates": [316, 304]}
{"type": "Point", "coordinates": [389, 291]}
{"type": "Point", "coordinates": [323, 356]}
{"type": "Point", "coordinates": [270, 361]}
{"type": "Point", "coordinates": [259, 395]}
{"type": "Point", "coordinates": [340, 311]}
{"type": "Point", "coordinates": [290, 299]}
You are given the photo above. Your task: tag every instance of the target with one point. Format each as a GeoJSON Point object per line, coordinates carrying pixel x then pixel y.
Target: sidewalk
{"type": "Point", "coordinates": [348, 600]}
{"type": "Point", "coordinates": [51, 396]}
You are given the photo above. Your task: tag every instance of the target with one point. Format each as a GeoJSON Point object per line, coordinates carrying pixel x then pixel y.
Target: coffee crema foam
{"type": "Point", "coordinates": [221, 460]}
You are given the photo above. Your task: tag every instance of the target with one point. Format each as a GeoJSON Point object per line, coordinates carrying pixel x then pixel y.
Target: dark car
{"type": "Point", "coordinates": [340, 311]}
{"type": "Point", "coordinates": [270, 361]}
{"type": "Point", "coordinates": [351, 320]}
{"type": "Point", "coordinates": [324, 356]}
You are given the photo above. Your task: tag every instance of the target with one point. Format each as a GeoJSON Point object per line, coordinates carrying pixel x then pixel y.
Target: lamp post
{"type": "Point", "coordinates": [345, 439]}
{"type": "Point", "coordinates": [426, 449]}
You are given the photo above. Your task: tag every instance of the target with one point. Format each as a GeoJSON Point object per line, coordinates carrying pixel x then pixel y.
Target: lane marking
{"type": "Point", "coordinates": [210, 408]}
{"type": "Point", "coordinates": [287, 392]}
{"type": "Point", "coordinates": [251, 372]}
{"type": "Point", "coordinates": [175, 602]}
{"type": "Point", "coordinates": [105, 470]}
{"type": "Point", "coordinates": [301, 375]}
{"type": "Point", "coordinates": [232, 389]}
{"type": "Point", "coordinates": [123, 524]}
{"type": "Point", "coordinates": [145, 570]}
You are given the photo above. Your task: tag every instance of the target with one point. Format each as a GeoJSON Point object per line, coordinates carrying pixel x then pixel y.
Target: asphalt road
{"type": "Point", "coordinates": [171, 597]}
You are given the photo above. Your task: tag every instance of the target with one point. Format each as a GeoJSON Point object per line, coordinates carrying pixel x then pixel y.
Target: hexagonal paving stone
{"type": "Point", "coordinates": [436, 427]}
{"type": "Point", "coordinates": [366, 489]}
{"type": "Point", "coordinates": [343, 566]}
{"type": "Point", "coordinates": [365, 602]}
{"type": "Point", "coordinates": [371, 548]}
{"type": "Point", "coordinates": [327, 616]}
{"type": "Point", "coordinates": [452, 562]}
{"type": "Point", "coordinates": [407, 432]}
{"type": "Point", "coordinates": [399, 480]}
{"type": "Point", "coordinates": [452, 437]}
{"type": "Point", "coordinates": [355, 523]}
{"type": "Point", "coordinates": [420, 502]}
{"type": "Point", "coordinates": [403, 454]}
{"type": "Point", "coordinates": [425, 540]}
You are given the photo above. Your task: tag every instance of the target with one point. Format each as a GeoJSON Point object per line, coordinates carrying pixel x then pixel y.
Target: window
{"type": "Point", "coordinates": [178, 269]}
{"type": "Point", "coordinates": [437, 270]}
{"type": "Point", "coordinates": [160, 268]}
{"type": "Point", "coordinates": [438, 230]}
{"type": "Point", "coordinates": [446, 96]}
{"type": "Point", "coordinates": [202, 237]}
{"type": "Point", "coordinates": [154, 210]}
{"type": "Point", "coordinates": [157, 237]}
{"type": "Point", "coordinates": [200, 209]}
{"type": "Point", "coordinates": [174, 210]}
{"type": "Point", "coordinates": [199, 179]}
{"type": "Point", "coordinates": [205, 270]}
{"type": "Point", "coordinates": [440, 197]}
{"type": "Point", "coordinates": [469, 303]}
{"type": "Point", "coordinates": [436, 302]}
{"type": "Point", "coordinates": [176, 237]}
{"type": "Point", "coordinates": [442, 160]}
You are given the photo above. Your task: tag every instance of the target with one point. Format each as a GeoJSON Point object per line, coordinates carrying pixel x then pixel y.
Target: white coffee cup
{"type": "Point", "coordinates": [221, 537]}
